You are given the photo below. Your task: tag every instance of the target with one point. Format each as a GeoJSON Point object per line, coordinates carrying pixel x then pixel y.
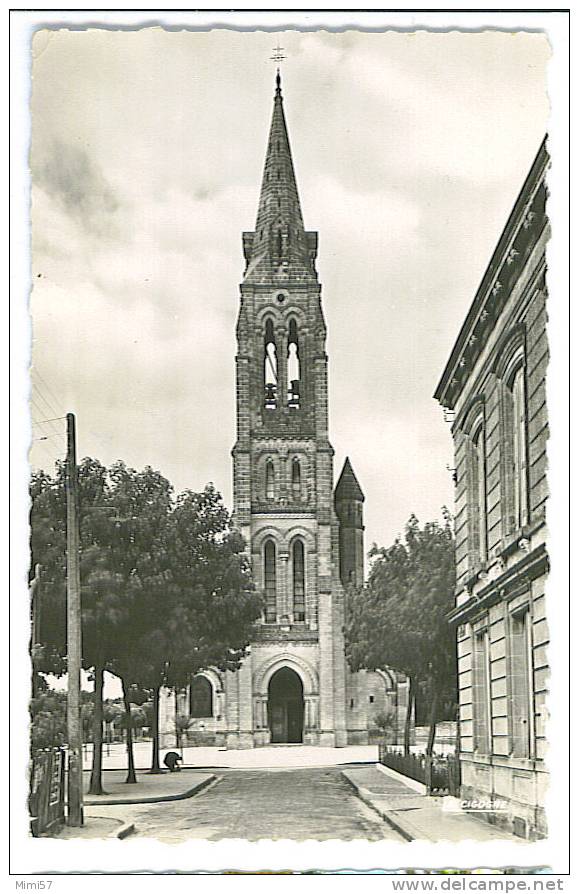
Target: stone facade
{"type": "Point", "coordinates": [305, 542]}
{"type": "Point", "coordinates": [494, 388]}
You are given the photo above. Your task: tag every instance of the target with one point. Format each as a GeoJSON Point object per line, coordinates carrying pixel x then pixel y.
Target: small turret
{"type": "Point", "coordinates": [349, 505]}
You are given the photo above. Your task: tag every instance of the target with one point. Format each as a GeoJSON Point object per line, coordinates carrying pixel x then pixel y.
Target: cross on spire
{"type": "Point", "coordinates": [278, 57]}
{"type": "Point", "coordinates": [277, 54]}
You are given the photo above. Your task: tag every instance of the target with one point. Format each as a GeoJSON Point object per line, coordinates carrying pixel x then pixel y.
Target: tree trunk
{"type": "Point", "coordinates": [408, 720]}
{"type": "Point", "coordinates": [131, 775]}
{"type": "Point", "coordinates": [96, 784]}
{"type": "Point", "coordinates": [433, 715]}
{"type": "Point", "coordinates": [155, 766]}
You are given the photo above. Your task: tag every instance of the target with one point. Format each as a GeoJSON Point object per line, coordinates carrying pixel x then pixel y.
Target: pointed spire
{"type": "Point", "coordinates": [280, 247]}
{"type": "Point", "coordinates": [348, 487]}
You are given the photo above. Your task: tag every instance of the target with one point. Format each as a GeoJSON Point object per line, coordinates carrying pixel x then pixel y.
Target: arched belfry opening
{"type": "Point", "coordinates": [270, 366]}
{"type": "Point", "coordinates": [293, 366]}
{"type": "Point", "coordinates": [285, 701]}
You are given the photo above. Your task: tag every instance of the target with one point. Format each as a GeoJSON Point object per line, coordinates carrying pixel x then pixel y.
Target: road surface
{"type": "Point", "coordinates": [254, 804]}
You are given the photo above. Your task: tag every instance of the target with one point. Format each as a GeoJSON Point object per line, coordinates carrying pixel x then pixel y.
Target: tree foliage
{"type": "Point", "coordinates": [399, 619]}
{"type": "Point", "coordinates": [166, 587]}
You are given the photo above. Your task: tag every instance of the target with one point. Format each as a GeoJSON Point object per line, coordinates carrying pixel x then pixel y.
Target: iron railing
{"type": "Point", "coordinates": [46, 800]}
{"type": "Point", "coordinates": [439, 773]}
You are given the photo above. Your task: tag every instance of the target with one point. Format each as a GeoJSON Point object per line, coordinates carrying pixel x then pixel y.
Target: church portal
{"type": "Point", "coordinates": [285, 705]}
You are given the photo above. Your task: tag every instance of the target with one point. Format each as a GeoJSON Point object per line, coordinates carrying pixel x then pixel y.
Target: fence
{"type": "Point", "coordinates": [46, 801]}
{"type": "Point", "coordinates": [439, 773]}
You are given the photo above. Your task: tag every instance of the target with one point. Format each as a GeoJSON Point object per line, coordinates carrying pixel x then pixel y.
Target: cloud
{"type": "Point", "coordinates": [70, 175]}
{"type": "Point", "coordinates": [147, 155]}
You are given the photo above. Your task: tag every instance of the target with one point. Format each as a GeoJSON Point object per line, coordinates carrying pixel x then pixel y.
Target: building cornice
{"type": "Point", "coordinates": [529, 568]}
{"type": "Point", "coordinates": [487, 305]}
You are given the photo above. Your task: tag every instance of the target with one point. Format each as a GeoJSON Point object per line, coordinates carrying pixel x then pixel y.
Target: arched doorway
{"type": "Point", "coordinates": [285, 700]}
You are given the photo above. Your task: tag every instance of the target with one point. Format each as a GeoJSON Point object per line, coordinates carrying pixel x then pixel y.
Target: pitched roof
{"type": "Point", "coordinates": [348, 487]}
{"type": "Point", "coordinates": [279, 241]}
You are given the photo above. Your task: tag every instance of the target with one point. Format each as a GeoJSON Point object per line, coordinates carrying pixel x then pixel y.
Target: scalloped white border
{"type": "Point", "coordinates": [36, 856]}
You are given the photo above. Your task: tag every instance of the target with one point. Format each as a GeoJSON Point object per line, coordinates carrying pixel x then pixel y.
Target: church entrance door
{"type": "Point", "coordinates": [286, 706]}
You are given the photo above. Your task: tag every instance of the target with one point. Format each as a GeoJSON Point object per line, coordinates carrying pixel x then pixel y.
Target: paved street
{"type": "Point", "coordinates": [253, 804]}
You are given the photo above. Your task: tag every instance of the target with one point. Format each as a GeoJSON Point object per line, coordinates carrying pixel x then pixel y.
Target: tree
{"type": "Point", "coordinates": [182, 724]}
{"type": "Point", "coordinates": [134, 554]}
{"type": "Point", "coordinates": [385, 721]}
{"type": "Point", "coordinates": [201, 578]}
{"type": "Point", "coordinates": [113, 711]}
{"type": "Point", "coordinates": [166, 587]}
{"type": "Point", "coordinates": [102, 592]}
{"type": "Point", "coordinates": [48, 720]}
{"type": "Point", "coordinates": [400, 618]}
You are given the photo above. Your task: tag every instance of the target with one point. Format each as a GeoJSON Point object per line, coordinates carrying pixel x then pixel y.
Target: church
{"type": "Point", "coordinates": [305, 537]}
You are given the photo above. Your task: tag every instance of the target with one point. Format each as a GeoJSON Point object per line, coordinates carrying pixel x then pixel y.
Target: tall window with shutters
{"type": "Point", "coordinates": [515, 488]}
{"type": "Point", "coordinates": [481, 693]}
{"type": "Point", "coordinates": [479, 494]}
{"type": "Point", "coordinates": [521, 683]}
{"type": "Point", "coordinates": [519, 435]}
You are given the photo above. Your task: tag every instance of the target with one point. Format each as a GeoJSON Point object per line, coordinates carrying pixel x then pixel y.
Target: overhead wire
{"type": "Point", "coordinates": [47, 387]}
{"type": "Point", "coordinates": [36, 397]}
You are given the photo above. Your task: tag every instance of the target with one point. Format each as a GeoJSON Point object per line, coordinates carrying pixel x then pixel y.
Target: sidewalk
{"type": "Point", "coordinates": [95, 827]}
{"type": "Point", "coordinates": [415, 815]}
{"type": "Point", "coordinates": [149, 789]}
{"type": "Point", "coordinates": [266, 757]}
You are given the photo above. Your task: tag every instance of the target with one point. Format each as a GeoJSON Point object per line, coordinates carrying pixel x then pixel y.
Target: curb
{"type": "Point", "coordinates": [180, 796]}
{"type": "Point", "coordinates": [416, 786]}
{"type": "Point", "coordinates": [365, 795]}
{"type": "Point", "coordinates": [125, 830]}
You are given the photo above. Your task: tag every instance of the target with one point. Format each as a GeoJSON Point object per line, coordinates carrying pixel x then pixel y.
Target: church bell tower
{"type": "Point", "coordinates": [282, 459]}
{"type": "Point", "coordinates": [304, 541]}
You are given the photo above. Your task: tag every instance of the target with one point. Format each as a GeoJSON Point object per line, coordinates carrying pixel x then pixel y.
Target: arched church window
{"type": "Point", "coordinates": [269, 480]}
{"type": "Point", "coordinates": [299, 590]}
{"type": "Point", "coordinates": [293, 366]}
{"type": "Point", "coordinates": [296, 478]}
{"type": "Point", "coordinates": [201, 698]}
{"type": "Point", "coordinates": [270, 582]}
{"type": "Point", "coordinates": [270, 366]}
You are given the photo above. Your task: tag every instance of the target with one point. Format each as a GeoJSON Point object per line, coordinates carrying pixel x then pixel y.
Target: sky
{"type": "Point", "coordinates": [146, 160]}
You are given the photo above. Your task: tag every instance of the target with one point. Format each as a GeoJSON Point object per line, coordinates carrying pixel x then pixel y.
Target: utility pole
{"type": "Point", "coordinates": [35, 636]}
{"type": "Point", "coordinates": [74, 632]}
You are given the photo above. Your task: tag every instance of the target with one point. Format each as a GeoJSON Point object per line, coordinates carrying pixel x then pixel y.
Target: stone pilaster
{"type": "Point", "coordinates": [232, 710]}
{"type": "Point", "coordinates": [245, 705]}
{"type": "Point", "coordinates": [326, 670]}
